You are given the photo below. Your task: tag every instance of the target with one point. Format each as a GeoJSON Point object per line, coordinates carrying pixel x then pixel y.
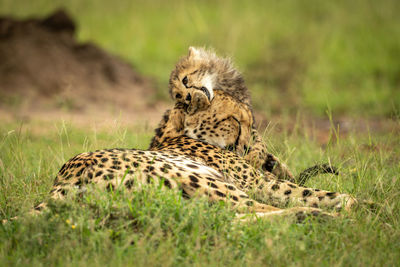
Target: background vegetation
{"type": "Point", "coordinates": [301, 59]}
{"type": "Point", "coordinates": [295, 54]}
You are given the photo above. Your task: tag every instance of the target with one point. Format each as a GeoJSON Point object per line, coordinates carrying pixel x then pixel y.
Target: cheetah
{"type": "Point", "coordinates": [197, 169]}
{"type": "Point", "coordinates": [213, 105]}
{"type": "Point", "coordinates": [183, 164]}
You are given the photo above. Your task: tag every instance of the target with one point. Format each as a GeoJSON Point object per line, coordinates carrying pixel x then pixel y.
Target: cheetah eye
{"type": "Point", "coordinates": [178, 96]}
{"type": "Point", "coordinates": [185, 81]}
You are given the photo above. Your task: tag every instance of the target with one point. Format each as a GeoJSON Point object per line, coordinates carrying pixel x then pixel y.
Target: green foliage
{"type": "Point", "coordinates": [156, 226]}
{"type": "Point", "coordinates": [307, 55]}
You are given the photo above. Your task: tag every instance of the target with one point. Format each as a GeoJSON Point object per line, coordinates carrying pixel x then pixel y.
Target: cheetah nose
{"type": "Point", "coordinates": [188, 97]}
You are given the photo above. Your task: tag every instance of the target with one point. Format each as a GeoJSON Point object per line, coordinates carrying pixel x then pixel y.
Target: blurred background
{"type": "Point", "coordinates": [320, 59]}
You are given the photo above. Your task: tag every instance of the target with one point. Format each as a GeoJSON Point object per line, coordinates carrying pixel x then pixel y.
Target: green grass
{"type": "Point", "coordinates": [307, 55]}
{"type": "Point", "coordinates": [157, 227]}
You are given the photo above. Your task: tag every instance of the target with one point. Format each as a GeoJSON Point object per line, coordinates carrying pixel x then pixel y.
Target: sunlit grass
{"type": "Point", "coordinates": [154, 226]}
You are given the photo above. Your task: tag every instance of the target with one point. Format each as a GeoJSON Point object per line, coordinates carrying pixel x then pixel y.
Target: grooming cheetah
{"type": "Point", "coordinates": [213, 105]}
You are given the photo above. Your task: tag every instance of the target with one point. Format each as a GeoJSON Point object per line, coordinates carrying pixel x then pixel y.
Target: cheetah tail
{"type": "Point", "coordinates": [314, 170]}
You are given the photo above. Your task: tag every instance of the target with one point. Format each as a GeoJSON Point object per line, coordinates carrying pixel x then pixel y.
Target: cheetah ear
{"type": "Point", "coordinates": [193, 52]}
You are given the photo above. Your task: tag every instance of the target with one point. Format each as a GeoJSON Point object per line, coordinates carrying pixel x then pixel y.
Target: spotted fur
{"type": "Point", "coordinates": [195, 169]}
{"type": "Point", "coordinates": [213, 105]}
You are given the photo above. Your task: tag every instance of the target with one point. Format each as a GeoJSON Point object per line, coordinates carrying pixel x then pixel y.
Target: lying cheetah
{"type": "Point", "coordinates": [213, 105]}
{"type": "Point", "coordinates": [182, 163]}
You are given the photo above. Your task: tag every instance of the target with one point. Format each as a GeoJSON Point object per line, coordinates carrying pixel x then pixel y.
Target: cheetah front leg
{"type": "Point", "coordinates": [170, 126]}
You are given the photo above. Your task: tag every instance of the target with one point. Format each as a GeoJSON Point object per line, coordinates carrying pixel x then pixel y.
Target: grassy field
{"type": "Point", "coordinates": [157, 227]}
{"type": "Point", "coordinates": [301, 59]}
{"type": "Point", "coordinates": [306, 55]}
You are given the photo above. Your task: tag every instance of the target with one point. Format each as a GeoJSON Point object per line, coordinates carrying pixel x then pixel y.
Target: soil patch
{"type": "Point", "coordinates": [44, 67]}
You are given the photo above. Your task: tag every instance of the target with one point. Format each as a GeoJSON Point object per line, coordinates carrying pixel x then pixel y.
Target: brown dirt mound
{"type": "Point", "coordinates": [43, 66]}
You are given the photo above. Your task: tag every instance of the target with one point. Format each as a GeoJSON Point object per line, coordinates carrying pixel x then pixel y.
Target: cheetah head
{"type": "Point", "coordinates": [192, 81]}
{"type": "Point", "coordinates": [199, 74]}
